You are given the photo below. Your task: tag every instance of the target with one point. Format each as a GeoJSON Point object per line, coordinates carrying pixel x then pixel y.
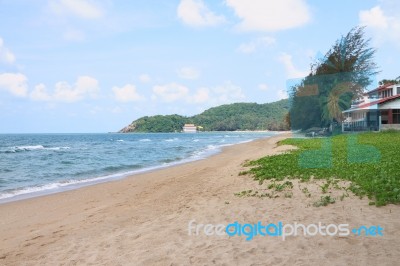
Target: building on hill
{"type": "Point", "coordinates": [189, 128]}
{"type": "Point", "coordinates": [378, 109]}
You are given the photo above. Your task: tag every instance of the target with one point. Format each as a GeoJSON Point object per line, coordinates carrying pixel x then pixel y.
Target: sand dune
{"type": "Point", "coordinates": [143, 220]}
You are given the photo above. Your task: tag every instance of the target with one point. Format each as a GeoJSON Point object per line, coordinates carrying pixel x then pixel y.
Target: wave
{"type": "Point", "coordinates": [32, 148]}
{"type": "Point", "coordinates": [58, 148]}
{"type": "Point", "coordinates": [29, 148]}
{"type": "Point", "coordinates": [205, 152]}
{"type": "Point", "coordinates": [28, 192]}
{"type": "Point", "coordinates": [50, 188]}
{"type": "Point", "coordinates": [231, 136]}
{"type": "Point", "coordinates": [213, 149]}
{"type": "Point", "coordinates": [166, 161]}
{"type": "Point", "coordinates": [104, 174]}
{"type": "Point", "coordinates": [170, 140]}
{"type": "Point", "coordinates": [118, 168]}
{"type": "Point", "coordinates": [32, 191]}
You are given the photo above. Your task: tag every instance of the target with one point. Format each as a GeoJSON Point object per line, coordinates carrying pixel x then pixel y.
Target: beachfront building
{"type": "Point", "coordinates": [376, 110]}
{"type": "Point", "coordinates": [189, 128]}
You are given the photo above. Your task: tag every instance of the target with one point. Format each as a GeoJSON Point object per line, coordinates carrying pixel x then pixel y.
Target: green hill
{"type": "Point", "coordinates": [228, 117]}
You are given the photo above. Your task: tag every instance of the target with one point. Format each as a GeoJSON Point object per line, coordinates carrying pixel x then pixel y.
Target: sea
{"type": "Point", "coordinates": [38, 164]}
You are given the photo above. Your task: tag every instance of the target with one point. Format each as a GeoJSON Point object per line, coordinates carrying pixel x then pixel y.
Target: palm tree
{"type": "Point", "coordinates": [336, 102]}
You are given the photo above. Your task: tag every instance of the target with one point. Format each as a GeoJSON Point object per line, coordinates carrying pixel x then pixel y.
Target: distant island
{"type": "Point", "coordinates": [228, 117]}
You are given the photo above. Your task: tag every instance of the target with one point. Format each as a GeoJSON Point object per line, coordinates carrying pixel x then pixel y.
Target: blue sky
{"type": "Point", "coordinates": [95, 66]}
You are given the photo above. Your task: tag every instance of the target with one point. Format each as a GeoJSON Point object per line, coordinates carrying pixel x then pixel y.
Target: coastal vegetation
{"type": "Point", "coordinates": [390, 81]}
{"type": "Point", "coordinates": [228, 117]}
{"type": "Point", "coordinates": [368, 161]}
{"type": "Point", "coordinates": [334, 81]}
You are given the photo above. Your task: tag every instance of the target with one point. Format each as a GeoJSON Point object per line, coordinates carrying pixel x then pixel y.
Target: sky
{"type": "Point", "coordinates": [76, 66]}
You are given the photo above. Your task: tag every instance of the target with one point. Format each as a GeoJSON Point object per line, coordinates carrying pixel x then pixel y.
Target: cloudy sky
{"type": "Point", "coordinates": [94, 66]}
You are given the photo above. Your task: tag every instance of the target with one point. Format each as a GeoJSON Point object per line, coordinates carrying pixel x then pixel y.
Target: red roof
{"type": "Point", "coordinates": [379, 101]}
{"type": "Point", "coordinates": [380, 88]}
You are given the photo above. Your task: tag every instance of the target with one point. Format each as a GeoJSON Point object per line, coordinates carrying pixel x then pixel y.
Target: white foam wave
{"type": "Point", "coordinates": [55, 187]}
{"type": "Point", "coordinates": [57, 148]}
{"type": "Point", "coordinates": [231, 136]}
{"type": "Point", "coordinates": [170, 140]}
{"type": "Point", "coordinates": [34, 148]}
{"type": "Point", "coordinates": [144, 140]}
{"type": "Point", "coordinates": [29, 148]}
{"type": "Point", "coordinates": [203, 153]}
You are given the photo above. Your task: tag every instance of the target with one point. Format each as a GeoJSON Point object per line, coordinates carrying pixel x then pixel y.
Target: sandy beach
{"type": "Point", "coordinates": [143, 220]}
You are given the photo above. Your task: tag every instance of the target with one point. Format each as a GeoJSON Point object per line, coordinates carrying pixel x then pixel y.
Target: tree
{"type": "Point", "coordinates": [236, 116]}
{"type": "Point", "coordinates": [335, 103]}
{"type": "Point", "coordinates": [389, 81]}
{"type": "Point", "coordinates": [340, 76]}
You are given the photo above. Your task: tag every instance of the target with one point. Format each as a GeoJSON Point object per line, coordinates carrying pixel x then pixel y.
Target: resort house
{"type": "Point", "coordinates": [377, 109]}
{"type": "Point", "coordinates": [189, 128]}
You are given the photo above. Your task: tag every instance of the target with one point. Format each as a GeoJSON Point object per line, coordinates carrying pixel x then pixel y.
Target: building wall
{"type": "Point", "coordinates": [394, 104]}
{"type": "Point", "coordinates": [390, 126]}
{"type": "Point", "coordinates": [389, 91]}
{"type": "Point", "coordinates": [358, 115]}
{"type": "Point", "coordinates": [190, 129]}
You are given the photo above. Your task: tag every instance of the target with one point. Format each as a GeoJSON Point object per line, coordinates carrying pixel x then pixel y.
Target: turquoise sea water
{"type": "Point", "coordinates": [36, 164]}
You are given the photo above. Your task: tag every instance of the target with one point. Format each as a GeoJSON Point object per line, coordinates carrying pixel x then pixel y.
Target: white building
{"type": "Point", "coordinates": [378, 109]}
{"type": "Point", "coordinates": [189, 128]}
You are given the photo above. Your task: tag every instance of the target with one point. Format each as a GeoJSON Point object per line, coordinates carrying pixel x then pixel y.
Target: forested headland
{"type": "Point", "coordinates": [228, 117]}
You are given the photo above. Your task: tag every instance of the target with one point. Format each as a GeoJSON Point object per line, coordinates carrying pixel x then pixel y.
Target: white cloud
{"type": "Point", "coordinates": [40, 93]}
{"type": "Point", "coordinates": [385, 25]}
{"type": "Point", "coordinates": [188, 73]}
{"type": "Point", "coordinates": [14, 83]}
{"type": "Point", "coordinates": [263, 87]}
{"type": "Point", "coordinates": [227, 93]}
{"type": "Point", "coordinates": [291, 70]}
{"type": "Point", "coordinates": [261, 15]}
{"type": "Point", "coordinates": [374, 18]}
{"type": "Point", "coordinates": [201, 95]}
{"type": "Point", "coordinates": [170, 92]}
{"type": "Point", "coordinates": [85, 9]}
{"type": "Point", "coordinates": [196, 13]}
{"type": "Point", "coordinates": [6, 56]}
{"type": "Point", "coordinates": [74, 35]}
{"type": "Point", "coordinates": [84, 87]}
{"type": "Point", "coordinates": [212, 96]}
{"type": "Point", "coordinates": [145, 78]}
{"type": "Point", "coordinates": [282, 94]}
{"type": "Point", "coordinates": [127, 93]}
{"type": "Point", "coordinates": [252, 46]}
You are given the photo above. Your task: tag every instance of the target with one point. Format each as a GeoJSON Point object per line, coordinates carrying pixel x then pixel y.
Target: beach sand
{"type": "Point", "coordinates": [143, 220]}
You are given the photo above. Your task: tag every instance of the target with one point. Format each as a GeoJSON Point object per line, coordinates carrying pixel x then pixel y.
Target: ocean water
{"type": "Point", "coordinates": [37, 164]}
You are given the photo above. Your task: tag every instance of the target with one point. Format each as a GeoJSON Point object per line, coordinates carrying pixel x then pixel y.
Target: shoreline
{"type": "Point", "coordinates": [61, 186]}
{"type": "Point", "coordinates": [144, 218]}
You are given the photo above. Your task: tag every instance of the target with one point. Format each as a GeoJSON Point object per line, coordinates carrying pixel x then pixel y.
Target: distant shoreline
{"type": "Point", "coordinates": [238, 131]}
